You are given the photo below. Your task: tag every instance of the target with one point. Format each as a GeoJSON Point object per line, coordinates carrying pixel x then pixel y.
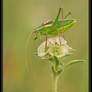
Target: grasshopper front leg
{"type": "Point", "coordinates": [68, 14]}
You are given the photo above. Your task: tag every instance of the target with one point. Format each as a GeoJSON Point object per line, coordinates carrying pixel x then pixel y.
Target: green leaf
{"type": "Point", "coordinates": [60, 67]}
{"type": "Point", "coordinates": [56, 62]}
{"type": "Point", "coordinates": [74, 62]}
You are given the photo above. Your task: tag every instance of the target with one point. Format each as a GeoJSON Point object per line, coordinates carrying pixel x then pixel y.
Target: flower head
{"type": "Point", "coordinates": [55, 47]}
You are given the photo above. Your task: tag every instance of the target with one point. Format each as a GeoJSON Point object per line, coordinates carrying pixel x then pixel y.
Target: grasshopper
{"type": "Point", "coordinates": [54, 27]}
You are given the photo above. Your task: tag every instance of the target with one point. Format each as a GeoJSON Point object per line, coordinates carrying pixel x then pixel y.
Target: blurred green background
{"type": "Point", "coordinates": [20, 17]}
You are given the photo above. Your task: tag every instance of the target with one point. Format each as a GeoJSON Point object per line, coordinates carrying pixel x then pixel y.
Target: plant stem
{"type": "Point", "coordinates": [55, 83]}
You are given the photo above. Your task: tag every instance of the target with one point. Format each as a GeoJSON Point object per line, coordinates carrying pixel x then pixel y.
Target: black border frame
{"type": "Point", "coordinates": [1, 35]}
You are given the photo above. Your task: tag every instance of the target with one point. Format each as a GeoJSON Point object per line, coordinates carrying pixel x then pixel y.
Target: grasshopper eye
{"type": "Point", "coordinates": [42, 24]}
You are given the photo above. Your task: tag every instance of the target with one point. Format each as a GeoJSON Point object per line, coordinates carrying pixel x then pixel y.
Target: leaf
{"type": "Point", "coordinates": [74, 62]}
{"type": "Point", "coordinates": [56, 62]}
{"type": "Point", "coordinates": [60, 67]}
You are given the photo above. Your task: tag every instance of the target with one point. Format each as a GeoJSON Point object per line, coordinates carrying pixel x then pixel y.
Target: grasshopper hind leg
{"type": "Point", "coordinates": [62, 13]}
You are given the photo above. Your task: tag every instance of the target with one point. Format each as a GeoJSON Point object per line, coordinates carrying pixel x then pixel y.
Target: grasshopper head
{"type": "Point", "coordinates": [74, 20]}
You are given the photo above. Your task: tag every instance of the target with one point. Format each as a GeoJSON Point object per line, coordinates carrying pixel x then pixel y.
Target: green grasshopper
{"type": "Point", "coordinates": [54, 27]}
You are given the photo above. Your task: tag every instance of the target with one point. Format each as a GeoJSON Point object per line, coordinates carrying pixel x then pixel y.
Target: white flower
{"type": "Point", "coordinates": [55, 47]}
{"type": "Point", "coordinates": [41, 50]}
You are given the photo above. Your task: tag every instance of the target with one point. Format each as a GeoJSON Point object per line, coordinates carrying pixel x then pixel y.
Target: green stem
{"type": "Point", "coordinates": [55, 83]}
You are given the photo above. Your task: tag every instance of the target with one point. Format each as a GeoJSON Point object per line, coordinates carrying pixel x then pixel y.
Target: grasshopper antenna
{"type": "Point", "coordinates": [69, 13]}
{"type": "Point", "coordinates": [26, 60]}
{"type": "Point", "coordinates": [62, 20]}
{"type": "Point", "coordinates": [26, 46]}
